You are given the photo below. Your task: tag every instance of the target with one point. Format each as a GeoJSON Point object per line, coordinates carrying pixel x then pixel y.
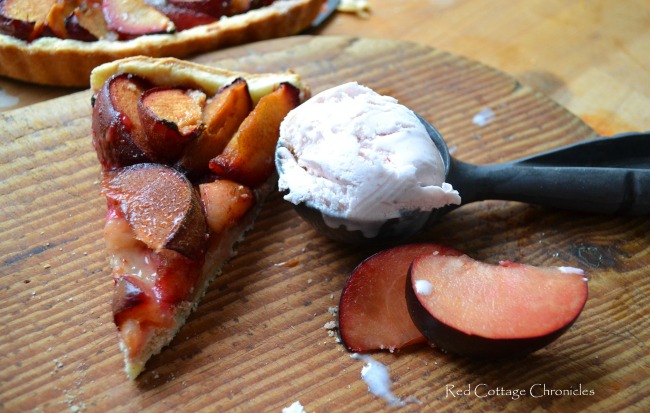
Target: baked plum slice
{"type": "Point", "coordinates": [161, 206]}
{"type": "Point", "coordinates": [76, 30]}
{"type": "Point", "coordinates": [133, 309]}
{"type": "Point", "coordinates": [24, 19]}
{"type": "Point", "coordinates": [87, 24]}
{"type": "Point", "coordinates": [134, 122]}
{"type": "Point", "coordinates": [130, 294]}
{"type": "Point", "coordinates": [186, 14]}
{"type": "Point", "coordinates": [117, 131]}
{"type": "Point", "coordinates": [149, 284]}
{"type": "Point", "coordinates": [133, 18]}
{"type": "Point", "coordinates": [242, 6]}
{"type": "Point", "coordinates": [222, 116]}
{"type": "Point", "coordinates": [481, 310]}
{"type": "Point", "coordinates": [170, 119]}
{"type": "Point", "coordinates": [372, 309]}
{"type": "Point", "coordinates": [248, 157]}
{"type": "Point", "coordinates": [225, 203]}
{"type": "Point", "coordinates": [214, 8]}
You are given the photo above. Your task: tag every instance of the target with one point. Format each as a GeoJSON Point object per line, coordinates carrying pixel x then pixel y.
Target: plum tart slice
{"type": "Point", "coordinates": [184, 178]}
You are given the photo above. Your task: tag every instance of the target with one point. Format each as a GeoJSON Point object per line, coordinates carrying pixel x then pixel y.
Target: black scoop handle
{"type": "Point", "coordinates": [601, 175]}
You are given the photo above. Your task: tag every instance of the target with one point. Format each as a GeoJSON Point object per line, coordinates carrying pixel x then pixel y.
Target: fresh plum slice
{"type": "Point", "coordinates": [161, 206]}
{"type": "Point", "coordinates": [116, 123]}
{"type": "Point", "coordinates": [481, 310]}
{"type": "Point", "coordinates": [248, 157]}
{"type": "Point", "coordinates": [133, 18]}
{"type": "Point", "coordinates": [372, 308]}
{"type": "Point", "coordinates": [225, 202]}
{"type": "Point", "coordinates": [222, 116]}
{"type": "Point", "coordinates": [170, 119]}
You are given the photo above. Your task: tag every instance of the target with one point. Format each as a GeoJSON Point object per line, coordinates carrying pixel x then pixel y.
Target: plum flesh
{"type": "Point", "coordinates": [248, 157]}
{"type": "Point", "coordinates": [480, 310]}
{"type": "Point", "coordinates": [372, 309]}
{"type": "Point", "coordinates": [116, 124]}
{"type": "Point", "coordinates": [170, 119]}
{"type": "Point", "coordinates": [161, 206]}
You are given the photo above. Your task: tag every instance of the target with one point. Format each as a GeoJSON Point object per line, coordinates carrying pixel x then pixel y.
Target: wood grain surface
{"type": "Point", "coordinates": [257, 342]}
{"type": "Point", "coordinates": [592, 57]}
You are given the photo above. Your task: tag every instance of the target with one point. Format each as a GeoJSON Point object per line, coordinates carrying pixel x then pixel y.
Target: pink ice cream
{"type": "Point", "coordinates": [359, 156]}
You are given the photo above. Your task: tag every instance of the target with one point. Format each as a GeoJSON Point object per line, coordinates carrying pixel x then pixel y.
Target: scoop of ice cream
{"type": "Point", "coordinates": [356, 155]}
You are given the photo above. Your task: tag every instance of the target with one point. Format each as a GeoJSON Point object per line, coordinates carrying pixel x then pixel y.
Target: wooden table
{"type": "Point", "coordinates": [257, 342]}
{"type": "Point", "coordinates": [592, 57]}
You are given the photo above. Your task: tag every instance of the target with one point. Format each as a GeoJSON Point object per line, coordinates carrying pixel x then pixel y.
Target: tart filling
{"type": "Point", "coordinates": [92, 20]}
{"type": "Point", "coordinates": [59, 42]}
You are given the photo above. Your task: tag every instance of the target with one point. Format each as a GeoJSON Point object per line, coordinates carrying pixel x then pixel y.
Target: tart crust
{"type": "Point", "coordinates": [66, 62]}
{"type": "Point", "coordinates": [172, 72]}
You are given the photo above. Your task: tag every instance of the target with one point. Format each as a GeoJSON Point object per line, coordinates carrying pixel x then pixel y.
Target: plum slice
{"type": "Point", "coordinates": [242, 6]}
{"type": "Point", "coordinates": [76, 29]}
{"type": "Point", "coordinates": [133, 18]}
{"type": "Point", "coordinates": [170, 119]}
{"type": "Point", "coordinates": [248, 157]}
{"type": "Point", "coordinates": [149, 285]}
{"type": "Point", "coordinates": [87, 24]}
{"type": "Point", "coordinates": [116, 124]}
{"type": "Point", "coordinates": [482, 310]}
{"type": "Point", "coordinates": [161, 206]}
{"type": "Point", "coordinates": [24, 19]}
{"type": "Point", "coordinates": [186, 14]}
{"type": "Point", "coordinates": [225, 203]}
{"type": "Point", "coordinates": [129, 294]}
{"type": "Point", "coordinates": [222, 116]}
{"type": "Point", "coordinates": [133, 309]}
{"type": "Point", "coordinates": [372, 308]}
{"type": "Point", "coordinates": [214, 8]}
{"type": "Point", "coordinates": [131, 302]}
{"type": "Point", "coordinates": [55, 21]}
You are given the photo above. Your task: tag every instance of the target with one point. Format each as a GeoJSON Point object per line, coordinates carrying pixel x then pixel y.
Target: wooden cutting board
{"type": "Point", "coordinates": [257, 342]}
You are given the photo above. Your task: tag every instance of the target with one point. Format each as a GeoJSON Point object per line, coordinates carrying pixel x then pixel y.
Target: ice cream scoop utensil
{"type": "Point", "coordinates": [601, 175]}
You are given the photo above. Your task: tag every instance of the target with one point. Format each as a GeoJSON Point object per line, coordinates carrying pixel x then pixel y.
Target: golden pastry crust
{"type": "Point", "coordinates": [54, 61]}
{"type": "Point", "coordinates": [172, 72]}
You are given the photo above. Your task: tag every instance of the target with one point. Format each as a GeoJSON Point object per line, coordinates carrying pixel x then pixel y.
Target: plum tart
{"type": "Point", "coordinates": [186, 153]}
{"type": "Point", "coordinates": [59, 42]}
